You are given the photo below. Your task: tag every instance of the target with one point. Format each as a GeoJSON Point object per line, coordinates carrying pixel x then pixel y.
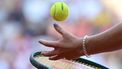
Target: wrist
{"type": "Point", "coordinates": [92, 42]}
{"type": "Point", "coordinates": [85, 46]}
{"type": "Point", "coordinates": [89, 45]}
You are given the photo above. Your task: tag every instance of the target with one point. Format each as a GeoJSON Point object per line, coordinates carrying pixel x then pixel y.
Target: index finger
{"type": "Point", "coordinates": [49, 43]}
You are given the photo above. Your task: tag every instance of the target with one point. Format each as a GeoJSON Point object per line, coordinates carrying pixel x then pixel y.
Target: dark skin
{"type": "Point", "coordinates": [70, 46]}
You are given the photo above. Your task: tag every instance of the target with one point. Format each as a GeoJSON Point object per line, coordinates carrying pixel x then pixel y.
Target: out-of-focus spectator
{"type": "Point", "coordinates": [36, 13]}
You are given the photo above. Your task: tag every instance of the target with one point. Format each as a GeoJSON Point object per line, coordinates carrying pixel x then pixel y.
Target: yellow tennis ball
{"type": "Point", "coordinates": [59, 11]}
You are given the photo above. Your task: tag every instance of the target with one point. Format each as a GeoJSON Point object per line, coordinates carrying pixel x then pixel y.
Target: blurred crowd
{"type": "Point", "coordinates": [24, 22]}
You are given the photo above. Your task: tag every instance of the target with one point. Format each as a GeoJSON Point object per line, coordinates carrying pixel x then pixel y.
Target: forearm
{"type": "Point", "coordinates": [106, 41]}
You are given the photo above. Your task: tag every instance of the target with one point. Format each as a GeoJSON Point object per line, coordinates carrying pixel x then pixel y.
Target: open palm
{"type": "Point", "coordinates": [69, 47]}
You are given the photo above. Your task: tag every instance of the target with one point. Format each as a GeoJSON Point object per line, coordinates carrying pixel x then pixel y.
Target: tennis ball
{"type": "Point", "coordinates": [59, 11]}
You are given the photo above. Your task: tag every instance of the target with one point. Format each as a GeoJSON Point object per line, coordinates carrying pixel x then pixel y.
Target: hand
{"type": "Point", "coordinates": [69, 47]}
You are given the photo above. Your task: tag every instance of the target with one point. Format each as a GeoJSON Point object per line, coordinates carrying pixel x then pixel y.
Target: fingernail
{"type": "Point", "coordinates": [41, 41]}
{"type": "Point", "coordinates": [55, 25]}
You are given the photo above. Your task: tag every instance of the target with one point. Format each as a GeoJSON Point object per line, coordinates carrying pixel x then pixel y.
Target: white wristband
{"type": "Point", "coordinates": [84, 46]}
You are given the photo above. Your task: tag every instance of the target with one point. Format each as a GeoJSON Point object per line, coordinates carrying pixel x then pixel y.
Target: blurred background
{"type": "Point", "coordinates": [24, 22]}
